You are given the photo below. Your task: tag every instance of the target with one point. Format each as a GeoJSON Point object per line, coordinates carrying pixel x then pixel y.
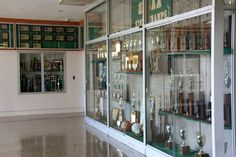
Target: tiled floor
{"type": "Point", "coordinates": [58, 137]}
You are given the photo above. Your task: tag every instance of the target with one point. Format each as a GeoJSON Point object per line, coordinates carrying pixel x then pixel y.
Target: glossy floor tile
{"type": "Point", "coordinates": [58, 137]}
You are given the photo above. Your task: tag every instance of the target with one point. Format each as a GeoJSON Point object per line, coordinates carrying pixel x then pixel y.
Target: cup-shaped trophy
{"type": "Point", "coordinates": [169, 142]}
{"type": "Point", "coordinates": [201, 140]}
{"type": "Point", "coordinates": [184, 149]}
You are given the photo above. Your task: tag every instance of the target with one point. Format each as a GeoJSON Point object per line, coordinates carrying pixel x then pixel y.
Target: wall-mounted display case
{"type": "Point", "coordinates": [6, 35]}
{"type": "Point", "coordinates": [96, 73]}
{"type": "Point", "coordinates": [42, 72]}
{"type": "Point", "coordinates": [170, 71]}
{"type": "Point", "coordinates": [42, 36]}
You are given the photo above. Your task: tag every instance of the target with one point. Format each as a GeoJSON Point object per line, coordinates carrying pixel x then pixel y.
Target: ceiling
{"type": "Point", "coordinates": [42, 10]}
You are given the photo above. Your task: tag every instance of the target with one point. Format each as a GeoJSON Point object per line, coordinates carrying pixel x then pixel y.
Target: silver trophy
{"type": "Point", "coordinates": [227, 80]}
{"type": "Point", "coordinates": [169, 134]}
{"type": "Point", "coordinates": [201, 140]}
{"type": "Point", "coordinates": [182, 134]}
{"type": "Point", "coordinates": [190, 82]}
{"type": "Point", "coordinates": [184, 149]}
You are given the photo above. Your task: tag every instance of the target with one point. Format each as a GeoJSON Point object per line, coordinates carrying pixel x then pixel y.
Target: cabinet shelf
{"type": "Point", "coordinates": [193, 52]}
{"type": "Point", "coordinates": [131, 72]}
{"type": "Point", "coordinates": [100, 60]}
{"type": "Point", "coordinates": [166, 113]}
{"type": "Point", "coordinates": [162, 147]}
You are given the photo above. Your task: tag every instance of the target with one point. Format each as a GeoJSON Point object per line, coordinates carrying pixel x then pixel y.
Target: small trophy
{"type": "Point", "coordinates": [227, 97]}
{"type": "Point", "coordinates": [190, 111]}
{"type": "Point", "coordinates": [171, 83]}
{"type": "Point", "coordinates": [169, 142]}
{"type": "Point", "coordinates": [184, 150]}
{"type": "Point", "coordinates": [201, 140]}
{"type": "Point", "coordinates": [181, 96]}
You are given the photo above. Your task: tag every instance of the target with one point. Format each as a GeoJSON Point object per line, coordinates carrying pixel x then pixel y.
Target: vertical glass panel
{"type": "Point", "coordinates": [126, 78]}
{"type": "Point", "coordinates": [30, 72]}
{"type": "Point", "coordinates": [125, 14]}
{"type": "Point", "coordinates": [96, 22]}
{"type": "Point", "coordinates": [179, 107]}
{"type": "Point", "coordinates": [228, 80]}
{"type": "Point", "coordinates": [161, 9]}
{"type": "Point", "coordinates": [54, 72]}
{"type": "Point", "coordinates": [96, 73]}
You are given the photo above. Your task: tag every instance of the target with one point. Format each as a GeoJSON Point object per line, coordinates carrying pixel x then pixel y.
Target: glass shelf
{"type": "Point", "coordinates": [132, 72]}
{"type": "Point", "coordinates": [99, 60]}
{"type": "Point", "coordinates": [166, 113]}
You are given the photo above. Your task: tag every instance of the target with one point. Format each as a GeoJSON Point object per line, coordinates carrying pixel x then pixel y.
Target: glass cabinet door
{"type": "Point", "coordinates": [54, 72]}
{"type": "Point", "coordinates": [126, 79]}
{"type": "Point", "coordinates": [96, 22]}
{"type": "Point", "coordinates": [30, 72]}
{"type": "Point", "coordinates": [96, 72]}
{"type": "Point", "coordinates": [179, 103]}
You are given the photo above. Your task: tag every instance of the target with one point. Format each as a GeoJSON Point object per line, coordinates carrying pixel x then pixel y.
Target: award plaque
{"type": "Point", "coordinates": [5, 35]}
{"type": "Point", "coordinates": [70, 30]}
{"type": "Point", "coordinates": [36, 28]}
{"type": "Point", "coordinates": [24, 36]}
{"type": "Point", "coordinates": [60, 37]}
{"type": "Point", "coordinates": [48, 29]}
{"type": "Point", "coordinates": [4, 27]}
{"type": "Point", "coordinates": [24, 28]}
{"type": "Point", "coordinates": [169, 142]}
{"type": "Point", "coordinates": [184, 150]}
{"type": "Point", "coordinates": [24, 45]}
{"type": "Point", "coordinates": [201, 140]}
{"type": "Point", "coordinates": [59, 29]}
{"type": "Point", "coordinates": [36, 37]}
{"type": "Point", "coordinates": [36, 45]}
{"type": "Point", "coordinates": [70, 38]}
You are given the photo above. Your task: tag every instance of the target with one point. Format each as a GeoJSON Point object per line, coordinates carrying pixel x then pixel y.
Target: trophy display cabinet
{"type": "Point", "coordinates": [160, 75]}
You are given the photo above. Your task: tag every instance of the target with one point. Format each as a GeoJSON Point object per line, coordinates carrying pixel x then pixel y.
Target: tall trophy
{"type": "Point", "coordinates": [184, 149]}
{"type": "Point", "coordinates": [181, 95]}
{"type": "Point", "coordinates": [227, 97]}
{"type": "Point", "coordinates": [190, 95]}
{"type": "Point", "coordinates": [201, 140]}
{"type": "Point", "coordinates": [201, 103]}
{"type": "Point", "coordinates": [134, 113]}
{"type": "Point", "coordinates": [169, 142]}
{"type": "Point", "coordinates": [171, 83]}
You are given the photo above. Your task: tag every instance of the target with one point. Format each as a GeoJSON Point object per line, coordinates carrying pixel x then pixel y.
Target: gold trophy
{"type": "Point", "coordinates": [201, 140]}
{"type": "Point", "coordinates": [169, 142]}
{"type": "Point", "coordinates": [184, 149]}
{"type": "Point", "coordinates": [171, 83]}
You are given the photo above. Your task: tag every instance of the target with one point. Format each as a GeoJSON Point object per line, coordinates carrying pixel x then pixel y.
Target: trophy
{"type": "Point", "coordinates": [171, 83]}
{"type": "Point", "coordinates": [152, 108]}
{"type": "Point", "coordinates": [201, 103]}
{"type": "Point", "coordinates": [225, 146]}
{"type": "Point", "coordinates": [190, 111]}
{"type": "Point", "coordinates": [201, 140]}
{"type": "Point", "coordinates": [169, 142]}
{"type": "Point", "coordinates": [227, 98]}
{"type": "Point", "coordinates": [180, 96]}
{"type": "Point", "coordinates": [184, 150]}
{"type": "Point", "coordinates": [134, 113]}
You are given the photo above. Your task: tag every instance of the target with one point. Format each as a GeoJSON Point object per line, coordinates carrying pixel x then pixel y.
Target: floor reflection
{"type": "Point", "coordinates": [58, 137]}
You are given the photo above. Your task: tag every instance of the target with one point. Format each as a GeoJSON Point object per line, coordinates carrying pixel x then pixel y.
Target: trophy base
{"type": "Point", "coordinates": [168, 144]}
{"type": "Point", "coordinates": [184, 150]}
{"type": "Point", "coordinates": [201, 155]}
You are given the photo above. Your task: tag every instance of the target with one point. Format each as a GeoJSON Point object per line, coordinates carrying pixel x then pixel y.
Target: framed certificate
{"type": "Point", "coordinates": [24, 45]}
{"type": "Point", "coordinates": [36, 28]}
{"type": "Point", "coordinates": [59, 29]}
{"type": "Point", "coordinates": [24, 36]}
{"type": "Point", "coordinates": [5, 35]}
{"type": "Point", "coordinates": [4, 26]}
{"type": "Point", "coordinates": [36, 37]}
{"type": "Point", "coordinates": [36, 45]}
{"type": "Point", "coordinates": [70, 38]}
{"type": "Point", "coordinates": [48, 37]}
{"type": "Point", "coordinates": [24, 28]}
{"type": "Point", "coordinates": [48, 29]}
{"type": "Point", "coordinates": [70, 30]}
{"type": "Point", "coordinates": [60, 37]}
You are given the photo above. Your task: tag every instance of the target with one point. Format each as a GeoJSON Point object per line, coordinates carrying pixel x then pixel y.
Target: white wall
{"type": "Point", "coordinates": [12, 103]}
